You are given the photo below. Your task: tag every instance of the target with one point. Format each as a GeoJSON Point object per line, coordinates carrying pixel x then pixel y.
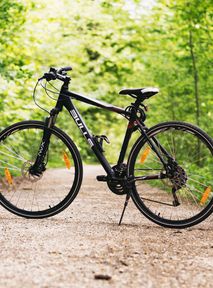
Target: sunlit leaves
{"type": "Point", "coordinates": [110, 45]}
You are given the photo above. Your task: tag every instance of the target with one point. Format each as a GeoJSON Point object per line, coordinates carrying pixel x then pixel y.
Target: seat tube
{"type": "Point", "coordinates": [127, 137]}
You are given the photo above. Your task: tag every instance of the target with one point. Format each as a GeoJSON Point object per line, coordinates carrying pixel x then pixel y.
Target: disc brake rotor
{"type": "Point", "coordinates": [27, 175]}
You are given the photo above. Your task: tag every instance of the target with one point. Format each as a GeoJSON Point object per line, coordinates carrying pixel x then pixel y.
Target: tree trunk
{"type": "Point", "coordinates": [196, 90]}
{"type": "Point", "coordinates": [196, 78]}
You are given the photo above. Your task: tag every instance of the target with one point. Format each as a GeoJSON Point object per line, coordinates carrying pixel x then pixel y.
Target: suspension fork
{"type": "Point", "coordinates": [39, 166]}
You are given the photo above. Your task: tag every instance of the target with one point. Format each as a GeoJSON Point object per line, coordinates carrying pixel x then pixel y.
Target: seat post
{"type": "Point", "coordinates": [137, 102]}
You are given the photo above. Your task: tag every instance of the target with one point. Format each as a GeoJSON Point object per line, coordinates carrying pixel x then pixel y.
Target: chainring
{"type": "Point", "coordinates": [118, 186]}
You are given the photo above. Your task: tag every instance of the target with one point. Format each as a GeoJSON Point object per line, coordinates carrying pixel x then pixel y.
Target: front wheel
{"type": "Point", "coordinates": [46, 194]}
{"type": "Point", "coordinates": [182, 197]}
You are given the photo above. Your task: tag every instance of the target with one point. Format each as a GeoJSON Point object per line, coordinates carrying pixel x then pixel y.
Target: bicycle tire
{"type": "Point", "coordinates": [64, 142]}
{"type": "Point", "coordinates": [141, 204]}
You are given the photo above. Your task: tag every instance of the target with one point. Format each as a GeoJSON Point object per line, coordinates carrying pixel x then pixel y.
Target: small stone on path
{"type": "Point", "coordinates": [102, 277]}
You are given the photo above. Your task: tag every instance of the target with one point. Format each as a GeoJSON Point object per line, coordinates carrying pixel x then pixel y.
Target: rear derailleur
{"type": "Point", "coordinates": [178, 178]}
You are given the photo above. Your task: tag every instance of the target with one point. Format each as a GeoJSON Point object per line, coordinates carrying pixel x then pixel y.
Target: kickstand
{"type": "Point", "coordinates": [125, 205]}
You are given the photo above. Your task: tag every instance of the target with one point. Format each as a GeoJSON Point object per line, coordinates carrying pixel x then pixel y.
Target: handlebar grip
{"type": "Point", "coordinates": [67, 68]}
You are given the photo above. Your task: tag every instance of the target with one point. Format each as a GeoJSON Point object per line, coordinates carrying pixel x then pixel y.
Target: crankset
{"type": "Point", "coordinates": [119, 186]}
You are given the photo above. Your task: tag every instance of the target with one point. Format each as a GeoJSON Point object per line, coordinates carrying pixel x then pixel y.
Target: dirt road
{"type": "Point", "coordinates": [84, 242]}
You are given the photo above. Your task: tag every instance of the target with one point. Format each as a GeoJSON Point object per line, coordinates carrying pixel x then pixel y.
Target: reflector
{"type": "Point", "coordinates": [145, 155]}
{"type": "Point", "coordinates": [8, 176]}
{"type": "Point", "coordinates": [205, 195]}
{"type": "Point", "coordinates": [67, 160]}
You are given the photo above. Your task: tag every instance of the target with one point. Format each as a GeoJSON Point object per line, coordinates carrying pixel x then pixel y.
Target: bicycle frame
{"type": "Point", "coordinates": [135, 123]}
{"type": "Point", "coordinates": [64, 99]}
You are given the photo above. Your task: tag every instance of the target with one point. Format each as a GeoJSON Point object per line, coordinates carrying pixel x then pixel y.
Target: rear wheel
{"type": "Point", "coordinates": [37, 196]}
{"type": "Point", "coordinates": [192, 200]}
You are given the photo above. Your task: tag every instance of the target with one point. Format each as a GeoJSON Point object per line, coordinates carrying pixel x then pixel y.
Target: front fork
{"type": "Point", "coordinates": [39, 166]}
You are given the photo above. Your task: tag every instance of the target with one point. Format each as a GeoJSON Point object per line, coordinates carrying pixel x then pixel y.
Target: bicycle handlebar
{"type": "Point", "coordinates": [64, 69]}
{"type": "Point", "coordinates": [53, 74]}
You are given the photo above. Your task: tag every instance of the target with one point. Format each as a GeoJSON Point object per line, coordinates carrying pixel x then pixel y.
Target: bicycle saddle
{"type": "Point", "coordinates": [144, 93]}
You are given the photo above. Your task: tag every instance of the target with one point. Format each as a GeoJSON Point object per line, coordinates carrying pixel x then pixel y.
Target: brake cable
{"type": "Point", "coordinates": [48, 90]}
{"type": "Point", "coordinates": [34, 98]}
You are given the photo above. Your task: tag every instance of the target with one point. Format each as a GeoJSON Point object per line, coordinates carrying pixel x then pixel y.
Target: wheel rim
{"type": "Point", "coordinates": [30, 195]}
{"type": "Point", "coordinates": [155, 195]}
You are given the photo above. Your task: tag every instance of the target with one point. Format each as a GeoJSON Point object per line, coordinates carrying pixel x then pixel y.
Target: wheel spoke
{"type": "Point", "coordinates": [37, 195]}
{"type": "Point", "coordinates": [202, 184]}
{"type": "Point", "coordinates": [14, 153]}
{"type": "Point", "coordinates": [9, 165]}
{"type": "Point", "coordinates": [193, 196]}
{"type": "Point", "coordinates": [181, 142]}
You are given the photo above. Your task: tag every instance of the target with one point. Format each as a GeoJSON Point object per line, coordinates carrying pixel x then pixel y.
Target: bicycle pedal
{"type": "Point", "coordinates": [101, 178]}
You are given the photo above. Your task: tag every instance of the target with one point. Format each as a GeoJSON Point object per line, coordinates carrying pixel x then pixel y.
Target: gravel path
{"type": "Point", "coordinates": [84, 242]}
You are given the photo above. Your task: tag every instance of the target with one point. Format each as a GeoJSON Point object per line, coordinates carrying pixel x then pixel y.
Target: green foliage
{"type": "Point", "coordinates": [110, 45]}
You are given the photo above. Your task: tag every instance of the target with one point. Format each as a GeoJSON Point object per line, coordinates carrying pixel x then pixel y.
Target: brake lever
{"type": "Point", "coordinates": [54, 74]}
{"type": "Point", "coordinates": [49, 76]}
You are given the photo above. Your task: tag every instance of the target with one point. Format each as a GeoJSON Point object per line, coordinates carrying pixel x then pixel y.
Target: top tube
{"type": "Point", "coordinates": [97, 103]}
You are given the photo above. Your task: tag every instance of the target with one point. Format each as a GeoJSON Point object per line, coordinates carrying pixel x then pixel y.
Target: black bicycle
{"type": "Point", "coordinates": [168, 174]}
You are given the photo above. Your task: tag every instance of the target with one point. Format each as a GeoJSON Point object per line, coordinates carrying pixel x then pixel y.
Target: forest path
{"type": "Point", "coordinates": [72, 248]}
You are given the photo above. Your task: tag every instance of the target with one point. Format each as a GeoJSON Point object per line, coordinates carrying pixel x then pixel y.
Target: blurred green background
{"type": "Point", "coordinates": [110, 45]}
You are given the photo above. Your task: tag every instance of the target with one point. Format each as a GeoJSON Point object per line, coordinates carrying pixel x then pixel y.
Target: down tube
{"type": "Point", "coordinates": [84, 130]}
